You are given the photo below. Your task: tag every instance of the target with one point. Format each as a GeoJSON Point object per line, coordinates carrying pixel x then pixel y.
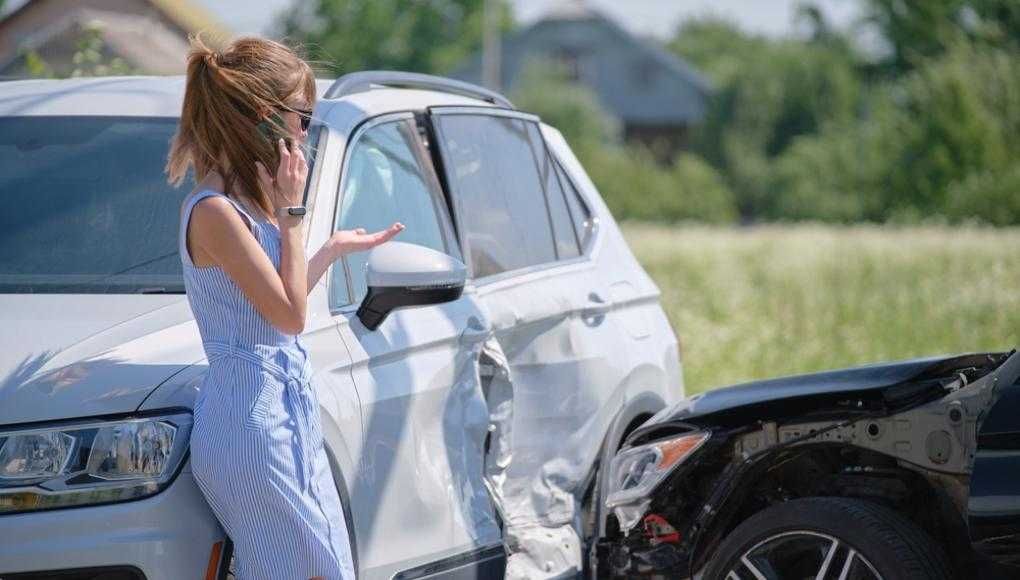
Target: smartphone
{"type": "Point", "coordinates": [272, 131]}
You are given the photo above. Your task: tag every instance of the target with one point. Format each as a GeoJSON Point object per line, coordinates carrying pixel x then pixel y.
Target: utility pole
{"type": "Point", "coordinates": [491, 48]}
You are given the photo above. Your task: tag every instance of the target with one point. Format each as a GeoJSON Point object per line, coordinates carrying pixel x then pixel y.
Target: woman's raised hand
{"type": "Point", "coordinates": [288, 186]}
{"type": "Point", "coordinates": [356, 240]}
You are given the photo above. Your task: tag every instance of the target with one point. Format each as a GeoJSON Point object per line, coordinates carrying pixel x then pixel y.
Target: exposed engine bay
{"type": "Point", "coordinates": [902, 435]}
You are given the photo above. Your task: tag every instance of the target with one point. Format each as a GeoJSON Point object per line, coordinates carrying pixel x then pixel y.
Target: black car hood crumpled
{"type": "Point", "coordinates": [883, 383]}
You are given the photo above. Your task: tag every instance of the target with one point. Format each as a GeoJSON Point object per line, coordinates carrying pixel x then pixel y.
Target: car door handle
{"type": "Point", "coordinates": [596, 306]}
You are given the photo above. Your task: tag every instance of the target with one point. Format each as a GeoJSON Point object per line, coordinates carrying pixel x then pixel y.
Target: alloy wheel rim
{"type": "Point", "coordinates": [802, 554]}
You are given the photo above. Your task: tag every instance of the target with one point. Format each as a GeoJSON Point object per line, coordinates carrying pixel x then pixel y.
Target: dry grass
{"type": "Point", "coordinates": [769, 301]}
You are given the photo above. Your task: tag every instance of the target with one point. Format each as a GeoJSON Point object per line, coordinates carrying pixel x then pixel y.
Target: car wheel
{"type": "Point", "coordinates": [828, 537]}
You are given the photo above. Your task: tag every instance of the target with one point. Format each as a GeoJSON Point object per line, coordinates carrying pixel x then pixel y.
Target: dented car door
{"type": "Point", "coordinates": [553, 318]}
{"type": "Point", "coordinates": [418, 496]}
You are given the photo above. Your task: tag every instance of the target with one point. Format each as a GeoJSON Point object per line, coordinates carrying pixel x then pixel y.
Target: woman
{"type": "Point", "coordinates": [256, 444]}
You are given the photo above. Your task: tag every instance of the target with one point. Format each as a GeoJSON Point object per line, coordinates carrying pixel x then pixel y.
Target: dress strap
{"type": "Point", "coordinates": [186, 216]}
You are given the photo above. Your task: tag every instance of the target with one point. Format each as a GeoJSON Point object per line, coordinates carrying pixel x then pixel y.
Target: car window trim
{"type": "Point", "coordinates": [553, 166]}
{"type": "Point", "coordinates": [596, 222]}
{"type": "Point", "coordinates": [545, 190]}
{"type": "Point", "coordinates": [311, 194]}
{"type": "Point", "coordinates": [425, 122]}
{"type": "Point", "coordinates": [359, 130]}
{"type": "Point", "coordinates": [458, 211]}
{"type": "Point", "coordinates": [422, 155]}
{"type": "Point", "coordinates": [587, 244]}
{"type": "Point", "coordinates": [478, 110]}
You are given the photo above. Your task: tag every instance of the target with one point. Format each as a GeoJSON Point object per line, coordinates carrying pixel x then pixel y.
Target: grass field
{"type": "Point", "coordinates": [769, 301]}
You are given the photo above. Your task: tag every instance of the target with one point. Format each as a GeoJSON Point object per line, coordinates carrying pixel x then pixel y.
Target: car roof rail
{"type": "Point", "coordinates": [361, 81]}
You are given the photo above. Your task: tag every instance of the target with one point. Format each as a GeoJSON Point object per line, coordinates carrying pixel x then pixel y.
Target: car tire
{"type": "Point", "coordinates": [803, 536]}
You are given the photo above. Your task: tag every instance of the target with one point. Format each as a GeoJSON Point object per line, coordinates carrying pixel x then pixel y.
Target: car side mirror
{"type": "Point", "coordinates": [400, 274]}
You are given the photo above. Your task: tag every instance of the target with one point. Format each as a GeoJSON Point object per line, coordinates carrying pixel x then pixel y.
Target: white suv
{"type": "Point", "coordinates": [472, 373]}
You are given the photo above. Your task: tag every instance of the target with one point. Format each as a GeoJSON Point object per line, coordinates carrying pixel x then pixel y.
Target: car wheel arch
{"type": "Point", "coordinates": [345, 502]}
{"type": "Point", "coordinates": [632, 415]}
{"type": "Point", "coordinates": [341, 464]}
{"type": "Point", "coordinates": [612, 442]}
{"type": "Point", "coordinates": [636, 411]}
{"type": "Point", "coordinates": [863, 527]}
{"type": "Point", "coordinates": [735, 507]}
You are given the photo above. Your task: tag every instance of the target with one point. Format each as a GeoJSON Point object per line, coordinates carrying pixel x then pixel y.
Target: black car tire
{"type": "Point", "coordinates": [896, 548]}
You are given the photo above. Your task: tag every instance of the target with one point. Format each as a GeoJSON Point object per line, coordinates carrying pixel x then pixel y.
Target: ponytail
{"type": "Point", "coordinates": [226, 95]}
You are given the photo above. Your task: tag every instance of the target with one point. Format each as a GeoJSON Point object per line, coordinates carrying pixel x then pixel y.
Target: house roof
{"type": "Point", "coordinates": [185, 14]}
{"type": "Point", "coordinates": [637, 80]}
{"type": "Point", "coordinates": [142, 42]}
{"type": "Point", "coordinates": [147, 44]}
{"type": "Point", "coordinates": [677, 65]}
{"type": "Point", "coordinates": [193, 18]}
{"type": "Point", "coordinates": [570, 10]}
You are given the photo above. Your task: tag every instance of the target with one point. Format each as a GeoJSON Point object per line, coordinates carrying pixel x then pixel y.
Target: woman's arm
{"type": "Point", "coordinates": [293, 268]}
{"type": "Point", "coordinates": [343, 242]}
{"type": "Point", "coordinates": [318, 264]}
{"type": "Point", "coordinates": [221, 233]}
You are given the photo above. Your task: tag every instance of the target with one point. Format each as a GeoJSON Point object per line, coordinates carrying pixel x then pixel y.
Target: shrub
{"type": "Point", "coordinates": [991, 196]}
{"type": "Point", "coordinates": [769, 93]}
{"type": "Point", "coordinates": [635, 186]}
{"type": "Point", "coordinates": [941, 143]}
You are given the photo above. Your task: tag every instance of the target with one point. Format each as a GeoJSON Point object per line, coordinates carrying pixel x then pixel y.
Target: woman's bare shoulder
{"type": "Point", "coordinates": [216, 223]}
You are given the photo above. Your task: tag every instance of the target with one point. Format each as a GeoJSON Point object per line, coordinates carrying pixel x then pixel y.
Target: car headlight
{"type": "Point", "coordinates": [634, 473]}
{"type": "Point", "coordinates": [90, 461]}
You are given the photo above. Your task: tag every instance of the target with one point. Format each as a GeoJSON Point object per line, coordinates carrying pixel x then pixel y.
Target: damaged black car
{"type": "Point", "coordinates": [904, 470]}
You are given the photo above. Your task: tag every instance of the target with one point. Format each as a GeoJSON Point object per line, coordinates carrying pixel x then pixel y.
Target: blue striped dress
{"type": "Point", "coordinates": [256, 444]}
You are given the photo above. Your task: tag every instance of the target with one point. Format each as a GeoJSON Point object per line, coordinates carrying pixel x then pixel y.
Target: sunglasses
{"type": "Point", "coordinates": [305, 116]}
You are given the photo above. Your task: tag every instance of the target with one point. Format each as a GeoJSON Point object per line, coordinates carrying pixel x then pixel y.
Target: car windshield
{"type": "Point", "coordinates": [87, 206]}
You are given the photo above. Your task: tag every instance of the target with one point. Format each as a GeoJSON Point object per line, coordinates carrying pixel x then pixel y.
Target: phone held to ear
{"type": "Point", "coordinates": [273, 130]}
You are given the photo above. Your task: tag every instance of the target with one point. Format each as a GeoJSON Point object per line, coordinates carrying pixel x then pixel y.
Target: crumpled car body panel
{"type": "Point", "coordinates": [940, 428]}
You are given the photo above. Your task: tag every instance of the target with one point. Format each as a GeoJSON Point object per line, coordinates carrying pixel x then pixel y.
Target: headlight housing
{"type": "Point", "coordinates": [634, 473]}
{"type": "Point", "coordinates": [90, 461]}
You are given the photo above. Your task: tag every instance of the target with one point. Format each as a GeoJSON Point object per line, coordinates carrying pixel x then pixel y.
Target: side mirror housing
{"type": "Point", "coordinates": [400, 274]}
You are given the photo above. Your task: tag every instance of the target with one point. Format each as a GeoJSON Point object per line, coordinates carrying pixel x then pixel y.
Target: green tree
{"type": "Point", "coordinates": [803, 129]}
{"type": "Point", "coordinates": [958, 123]}
{"type": "Point", "coordinates": [918, 30]}
{"type": "Point", "coordinates": [429, 36]}
{"type": "Point", "coordinates": [842, 172]}
{"type": "Point", "coordinates": [769, 92]}
{"type": "Point", "coordinates": [636, 186]}
{"type": "Point", "coordinates": [989, 196]}
{"type": "Point", "coordinates": [914, 30]}
{"type": "Point", "coordinates": [941, 141]}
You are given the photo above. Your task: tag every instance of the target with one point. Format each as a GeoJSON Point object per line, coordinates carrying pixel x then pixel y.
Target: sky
{"type": "Point", "coordinates": [643, 17]}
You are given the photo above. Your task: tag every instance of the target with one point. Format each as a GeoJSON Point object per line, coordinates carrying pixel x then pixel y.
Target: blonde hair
{"type": "Point", "coordinates": [227, 94]}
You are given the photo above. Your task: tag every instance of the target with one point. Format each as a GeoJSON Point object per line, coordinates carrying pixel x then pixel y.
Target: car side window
{"type": "Point", "coordinates": [563, 228]}
{"type": "Point", "coordinates": [389, 177]}
{"type": "Point", "coordinates": [494, 178]}
{"type": "Point", "coordinates": [579, 211]}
